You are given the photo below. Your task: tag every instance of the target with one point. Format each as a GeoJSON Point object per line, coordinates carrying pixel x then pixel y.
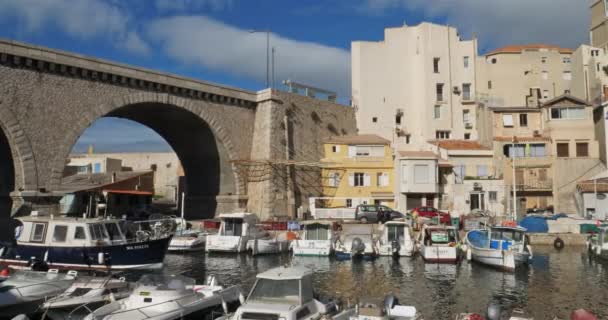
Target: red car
{"type": "Point", "coordinates": [430, 212]}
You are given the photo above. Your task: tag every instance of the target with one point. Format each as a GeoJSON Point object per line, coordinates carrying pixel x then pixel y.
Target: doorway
{"type": "Point", "coordinates": [477, 201]}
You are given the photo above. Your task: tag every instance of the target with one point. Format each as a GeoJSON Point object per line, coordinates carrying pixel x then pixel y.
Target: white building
{"type": "Point", "coordinates": [418, 84]}
{"type": "Point", "coordinates": [417, 185]}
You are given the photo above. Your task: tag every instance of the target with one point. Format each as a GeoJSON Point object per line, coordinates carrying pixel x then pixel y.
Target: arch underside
{"type": "Point", "coordinates": [7, 179]}
{"type": "Point", "coordinates": [205, 160]}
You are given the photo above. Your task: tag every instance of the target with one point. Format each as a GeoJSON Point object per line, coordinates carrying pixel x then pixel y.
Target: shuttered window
{"type": "Point", "coordinates": [562, 150]}
{"type": "Point", "coordinates": [421, 173]}
{"type": "Point", "coordinates": [582, 149]}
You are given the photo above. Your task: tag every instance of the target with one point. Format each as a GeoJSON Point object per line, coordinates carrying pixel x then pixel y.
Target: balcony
{"type": "Point", "coordinates": [534, 185]}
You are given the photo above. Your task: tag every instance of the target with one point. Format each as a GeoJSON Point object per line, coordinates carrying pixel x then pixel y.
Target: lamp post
{"type": "Point", "coordinates": [267, 54]}
{"type": "Point", "coordinates": [514, 211]}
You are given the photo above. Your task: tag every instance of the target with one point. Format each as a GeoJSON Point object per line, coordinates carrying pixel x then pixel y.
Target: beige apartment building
{"type": "Point", "coordinates": [416, 85]}
{"type": "Point", "coordinates": [523, 75]}
{"type": "Point", "coordinates": [598, 30]}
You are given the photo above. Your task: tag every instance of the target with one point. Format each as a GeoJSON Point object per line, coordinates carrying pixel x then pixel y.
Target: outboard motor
{"type": "Point", "coordinates": [37, 265]}
{"type": "Point", "coordinates": [494, 311]}
{"type": "Point", "coordinates": [357, 246]}
{"type": "Point", "coordinates": [390, 301]}
{"type": "Point", "coordinates": [395, 247]}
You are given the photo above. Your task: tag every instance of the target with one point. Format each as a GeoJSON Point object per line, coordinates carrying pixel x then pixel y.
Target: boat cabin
{"type": "Point", "coordinates": [439, 235]}
{"type": "Point", "coordinates": [319, 230]}
{"type": "Point", "coordinates": [396, 231]}
{"type": "Point", "coordinates": [69, 232]}
{"type": "Point", "coordinates": [290, 286]}
{"type": "Point", "coordinates": [237, 224]}
{"type": "Point", "coordinates": [504, 237]}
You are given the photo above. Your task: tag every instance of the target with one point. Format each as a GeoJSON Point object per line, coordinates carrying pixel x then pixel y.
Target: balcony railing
{"type": "Point", "coordinates": [535, 185]}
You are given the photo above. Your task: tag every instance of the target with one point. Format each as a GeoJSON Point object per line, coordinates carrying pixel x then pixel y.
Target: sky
{"type": "Point", "coordinates": [212, 40]}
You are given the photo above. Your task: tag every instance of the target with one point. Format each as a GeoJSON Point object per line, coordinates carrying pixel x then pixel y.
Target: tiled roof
{"type": "Point", "coordinates": [566, 97]}
{"type": "Point", "coordinates": [590, 185]}
{"type": "Point", "coordinates": [459, 145]}
{"type": "Point", "coordinates": [358, 139]}
{"type": "Point", "coordinates": [417, 154]}
{"type": "Point", "coordinates": [521, 139]}
{"type": "Point", "coordinates": [520, 48]}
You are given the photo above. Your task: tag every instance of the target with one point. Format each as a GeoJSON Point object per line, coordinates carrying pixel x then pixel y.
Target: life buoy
{"type": "Point", "coordinates": [558, 244]}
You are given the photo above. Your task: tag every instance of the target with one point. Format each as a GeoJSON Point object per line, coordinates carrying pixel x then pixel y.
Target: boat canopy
{"type": "Point", "coordinates": [166, 282]}
{"type": "Point", "coordinates": [317, 231]}
{"type": "Point", "coordinates": [283, 273]}
{"type": "Point", "coordinates": [284, 286]}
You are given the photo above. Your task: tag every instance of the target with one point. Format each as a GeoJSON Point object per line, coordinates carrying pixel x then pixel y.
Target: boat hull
{"type": "Point", "coordinates": [319, 248]}
{"type": "Point", "coordinates": [440, 254]}
{"type": "Point", "coordinates": [405, 250]}
{"type": "Point", "coordinates": [186, 244]}
{"type": "Point", "coordinates": [262, 246]}
{"type": "Point", "coordinates": [141, 255]}
{"type": "Point", "coordinates": [218, 243]}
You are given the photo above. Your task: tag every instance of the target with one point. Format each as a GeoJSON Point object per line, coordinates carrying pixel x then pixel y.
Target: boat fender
{"type": "Point", "coordinates": [46, 256]}
{"type": "Point", "coordinates": [224, 306]}
{"type": "Point", "coordinates": [558, 244]}
{"type": "Point", "coordinates": [494, 312]}
{"type": "Point", "coordinates": [469, 254]}
{"type": "Point", "coordinates": [598, 250]}
{"type": "Point", "coordinates": [530, 251]}
{"type": "Point", "coordinates": [1, 251]}
{"type": "Point", "coordinates": [241, 298]}
{"type": "Point", "coordinates": [100, 259]}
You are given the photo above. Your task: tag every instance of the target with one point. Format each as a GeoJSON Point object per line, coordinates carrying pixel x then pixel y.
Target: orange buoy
{"type": "Point", "coordinates": [4, 273]}
{"type": "Point", "coordinates": [292, 235]}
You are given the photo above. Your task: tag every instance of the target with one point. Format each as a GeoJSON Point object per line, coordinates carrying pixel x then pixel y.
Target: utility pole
{"type": "Point", "coordinates": [514, 155]}
{"type": "Point", "coordinates": [267, 54]}
{"type": "Point", "coordinates": [273, 53]}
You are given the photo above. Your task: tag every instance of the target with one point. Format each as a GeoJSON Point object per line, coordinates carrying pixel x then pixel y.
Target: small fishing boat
{"type": "Point", "coordinates": [356, 246]}
{"type": "Point", "coordinates": [391, 309]}
{"type": "Point", "coordinates": [90, 291]}
{"type": "Point", "coordinates": [501, 247]}
{"type": "Point", "coordinates": [283, 293]}
{"type": "Point", "coordinates": [495, 312]}
{"type": "Point", "coordinates": [88, 243]}
{"type": "Point", "coordinates": [439, 244]}
{"type": "Point", "coordinates": [164, 297]}
{"type": "Point", "coordinates": [188, 241]}
{"type": "Point", "coordinates": [32, 287]}
{"type": "Point", "coordinates": [267, 246]}
{"type": "Point", "coordinates": [597, 244]}
{"type": "Point", "coordinates": [318, 239]}
{"type": "Point", "coordinates": [236, 229]}
{"type": "Point", "coordinates": [396, 239]}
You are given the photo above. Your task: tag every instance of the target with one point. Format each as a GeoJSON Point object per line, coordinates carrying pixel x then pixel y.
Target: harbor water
{"type": "Point", "coordinates": [555, 284]}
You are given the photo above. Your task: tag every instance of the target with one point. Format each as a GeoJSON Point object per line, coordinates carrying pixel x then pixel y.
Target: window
{"type": "Point", "coordinates": [566, 91]}
{"type": "Point", "coordinates": [382, 179]}
{"type": "Point", "coordinates": [492, 195]}
{"type": "Point", "coordinates": [379, 179]}
{"type": "Point", "coordinates": [567, 75]}
{"type": "Point", "coordinates": [363, 151]}
{"type": "Point", "coordinates": [537, 151]}
{"type": "Point", "coordinates": [60, 233]}
{"type": "Point", "coordinates": [82, 169]}
{"type": "Point", "coordinates": [562, 150]}
{"type": "Point", "coordinates": [467, 136]}
{"type": "Point", "coordinates": [404, 173]}
{"type": "Point", "coordinates": [442, 135]}
{"type": "Point", "coordinates": [582, 149]}
{"type": "Point", "coordinates": [397, 119]}
{"type": "Point", "coordinates": [359, 179]}
{"type": "Point", "coordinates": [507, 120]}
{"type": "Point", "coordinates": [407, 139]}
{"type": "Point", "coordinates": [437, 112]}
{"type": "Point", "coordinates": [38, 232]}
{"type": "Point", "coordinates": [566, 59]}
{"type": "Point", "coordinates": [493, 61]}
{"type": "Point", "coordinates": [436, 65]}
{"type": "Point", "coordinates": [465, 61]}
{"type": "Point", "coordinates": [466, 91]}
{"type": "Point", "coordinates": [79, 233]}
{"type": "Point", "coordinates": [335, 149]}
{"type": "Point", "coordinates": [567, 113]}
{"type": "Point", "coordinates": [334, 179]}
{"type": "Point", "coordinates": [439, 91]}
{"type": "Point", "coordinates": [421, 173]}
{"type": "Point", "coordinates": [523, 120]}
{"type": "Point", "coordinates": [518, 151]}
{"type": "Point", "coordinates": [375, 119]}
{"type": "Point", "coordinates": [489, 84]}
{"type": "Point", "coordinates": [465, 116]}
{"type": "Point", "coordinates": [543, 59]}
{"type": "Point", "coordinates": [545, 75]}
{"type": "Point", "coordinates": [98, 232]}
{"type": "Point", "coordinates": [545, 94]}
{"type": "Point", "coordinates": [482, 170]}
{"type": "Point", "coordinates": [349, 203]}
{"type": "Point", "coordinates": [606, 8]}
{"type": "Point", "coordinates": [459, 172]}
{"type": "Point", "coordinates": [595, 53]}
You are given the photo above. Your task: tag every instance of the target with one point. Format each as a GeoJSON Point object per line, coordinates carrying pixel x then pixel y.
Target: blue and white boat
{"type": "Point", "coordinates": [501, 247]}
{"type": "Point", "coordinates": [88, 243]}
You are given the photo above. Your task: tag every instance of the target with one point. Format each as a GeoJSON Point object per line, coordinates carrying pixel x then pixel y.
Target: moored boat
{"type": "Point", "coordinates": [597, 244]}
{"type": "Point", "coordinates": [356, 246]}
{"type": "Point", "coordinates": [439, 244]}
{"type": "Point", "coordinates": [188, 241]}
{"type": "Point", "coordinates": [391, 309]}
{"type": "Point", "coordinates": [501, 247]}
{"type": "Point", "coordinates": [396, 239]}
{"type": "Point", "coordinates": [90, 291]}
{"type": "Point", "coordinates": [318, 239]}
{"type": "Point", "coordinates": [88, 243]}
{"type": "Point", "coordinates": [267, 246]}
{"type": "Point", "coordinates": [236, 229]}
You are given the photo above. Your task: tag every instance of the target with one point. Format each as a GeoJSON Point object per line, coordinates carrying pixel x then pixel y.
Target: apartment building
{"type": "Point", "coordinates": [524, 75]}
{"type": "Point", "coordinates": [357, 169]}
{"type": "Point", "coordinates": [598, 30]}
{"type": "Point", "coordinates": [416, 85]}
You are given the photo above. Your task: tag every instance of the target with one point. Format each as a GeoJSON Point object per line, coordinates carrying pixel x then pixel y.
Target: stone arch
{"type": "Point", "coordinates": [24, 164]}
{"type": "Point", "coordinates": [117, 107]}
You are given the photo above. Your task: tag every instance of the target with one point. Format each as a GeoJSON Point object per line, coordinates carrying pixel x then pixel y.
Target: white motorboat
{"type": "Point", "coordinates": [371, 311]}
{"type": "Point", "coordinates": [318, 239]}
{"type": "Point", "coordinates": [356, 246]}
{"type": "Point", "coordinates": [284, 293]}
{"type": "Point", "coordinates": [90, 291]}
{"type": "Point", "coordinates": [24, 287]}
{"type": "Point", "coordinates": [188, 241]}
{"type": "Point", "coordinates": [501, 247]}
{"type": "Point", "coordinates": [267, 246]}
{"type": "Point", "coordinates": [597, 244]}
{"type": "Point", "coordinates": [164, 297]}
{"type": "Point", "coordinates": [236, 229]}
{"type": "Point", "coordinates": [439, 244]}
{"type": "Point", "coordinates": [396, 239]}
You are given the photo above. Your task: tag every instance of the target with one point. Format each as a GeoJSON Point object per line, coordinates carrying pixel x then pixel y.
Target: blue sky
{"type": "Point", "coordinates": [210, 39]}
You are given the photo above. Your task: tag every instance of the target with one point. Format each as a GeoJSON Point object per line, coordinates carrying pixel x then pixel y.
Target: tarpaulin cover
{"type": "Point", "coordinates": [535, 224]}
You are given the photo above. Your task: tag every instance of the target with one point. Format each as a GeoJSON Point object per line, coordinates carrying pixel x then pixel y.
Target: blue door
{"type": "Point", "coordinates": [97, 168]}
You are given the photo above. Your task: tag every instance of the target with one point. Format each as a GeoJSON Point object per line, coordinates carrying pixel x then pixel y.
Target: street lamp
{"type": "Point", "coordinates": [267, 54]}
{"type": "Point", "coordinates": [514, 155]}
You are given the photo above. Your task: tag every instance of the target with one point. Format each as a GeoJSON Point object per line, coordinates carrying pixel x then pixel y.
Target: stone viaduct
{"type": "Point", "coordinates": [240, 150]}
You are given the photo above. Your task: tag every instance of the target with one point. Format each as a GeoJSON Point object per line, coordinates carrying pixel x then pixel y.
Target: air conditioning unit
{"type": "Point", "coordinates": [456, 90]}
{"type": "Point", "coordinates": [536, 133]}
{"type": "Point", "coordinates": [399, 112]}
{"type": "Point", "coordinates": [468, 125]}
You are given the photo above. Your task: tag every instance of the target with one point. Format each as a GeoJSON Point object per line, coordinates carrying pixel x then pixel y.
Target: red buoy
{"type": "Point", "coordinates": [582, 314]}
{"type": "Point", "coordinates": [4, 273]}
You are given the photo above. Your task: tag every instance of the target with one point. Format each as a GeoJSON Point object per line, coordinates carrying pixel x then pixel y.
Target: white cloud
{"type": "Point", "coordinates": [82, 19]}
{"type": "Point", "coordinates": [503, 22]}
{"type": "Point", "coordinates": [199, 40]}
{"type": "Point", "coordinates": [189, 5]}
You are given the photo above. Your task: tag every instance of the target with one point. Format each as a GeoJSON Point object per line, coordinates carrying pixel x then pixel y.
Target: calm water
{"type": "Point", "coordinates": [556, 283]}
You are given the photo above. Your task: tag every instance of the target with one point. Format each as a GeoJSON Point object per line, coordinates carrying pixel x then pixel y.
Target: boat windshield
{"type": "Point", "coordinates": [508, 235]}
{"type": "Point", "coordinates": [317, 231]}
{"type": "Point", "coordinates": [113, 231]}
{"type": "Point", "coordinates": [26, 275]}
{"type": "Point", "coordinates": [166, 282]}
{"type": "Point", "coordinates": [232, 227]}
{"type": "Point", "coordinates": [395, 232]}
{"type": "Point", "coordinates": [443, 236]}
{"type": "Point", "coordinates": [276, 291]}
{"type": "Point", "coordinates": [98, 231]}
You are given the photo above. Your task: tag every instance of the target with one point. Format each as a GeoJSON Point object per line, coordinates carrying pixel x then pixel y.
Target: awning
{"type": "Point", "coordinates": [131, 192]}
{"type": "Point", "coordinates": [442, 164]}
{"type": "Point", "coordinates": [383, 195]}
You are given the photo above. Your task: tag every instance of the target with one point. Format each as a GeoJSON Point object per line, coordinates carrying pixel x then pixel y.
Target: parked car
{"type": "Point", "coordinates": [430, 212]}
{"type": "Point", "coordinates": [375, 213]}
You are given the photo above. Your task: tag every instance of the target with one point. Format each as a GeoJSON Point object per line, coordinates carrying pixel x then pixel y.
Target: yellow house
{"type": "Point", "coordinates": [357, 169]}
